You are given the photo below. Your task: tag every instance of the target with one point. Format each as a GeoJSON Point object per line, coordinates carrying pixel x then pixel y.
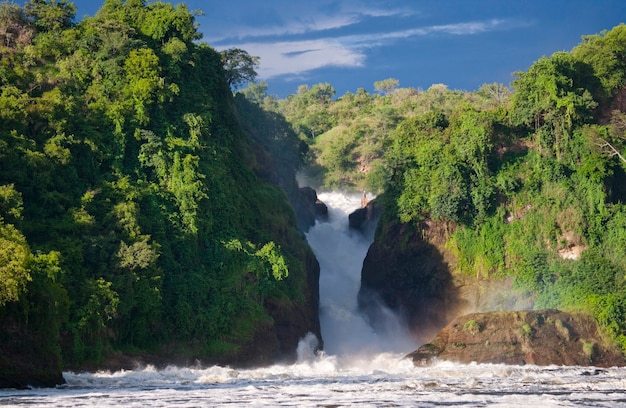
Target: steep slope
{"type": "Point", "coordinates": [513, 207]}
{"type": "Point", "coordinates": [128, 188]}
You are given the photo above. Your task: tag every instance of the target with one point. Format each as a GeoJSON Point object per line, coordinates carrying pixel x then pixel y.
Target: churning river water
{"type": "Point", "coordinates": [358, 368]}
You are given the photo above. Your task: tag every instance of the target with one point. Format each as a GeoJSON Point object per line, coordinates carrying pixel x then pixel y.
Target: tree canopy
{"type": "Point", "coordinates": [130, 206]}
{"type": "Point", "coordinates": [240, 66]}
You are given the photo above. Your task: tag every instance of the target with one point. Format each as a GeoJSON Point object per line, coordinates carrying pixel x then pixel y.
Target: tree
{"type": "Point", "coordinates": [14, 26]}
{"type": "Point", "coordinates": [612, 145]}
{"type": "Point", "coordinates": [144, 81]}
{"type": "Point", "coordinates": [239, 66]}
{"type": "Point", "coordinates": [386, 86]}
{"type": "Point", "coordinates": [606, 54]}
{"type": "Point", "coordinates": [255, 92]}
{"type": "Point", "coordinates": [498, 93]}
{"type": "Point", "coordinates": [164, 21]}
{"type": "Point", "coordinates": [322, 93]}
{"type": "Point", "coordinates": [51, 15]}
{"type": "Point", "coordinates": [552, 97]}
{"type": "Point", "coordinates": [14, 256]}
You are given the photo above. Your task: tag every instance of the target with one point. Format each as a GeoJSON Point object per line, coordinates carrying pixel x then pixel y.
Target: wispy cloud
{"type": "Point", "coordinates": [308, 18]}
{"type": "Point", "coordinates": [295, 58]}
{"type": "Point", "coordinates": [295, 27]}
{"type": "Point", "coordinates": [465, 28]}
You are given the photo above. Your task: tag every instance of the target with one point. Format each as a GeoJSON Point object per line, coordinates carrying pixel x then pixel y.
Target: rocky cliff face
{"type": "Point", "coordinates": [405, 271]}
{"type": "Point", "coordinates": [365, 218]}
{"type": "Point", "coordinates": [291, 324]}
{"type": "Point", "coordinates": [548, 337]}
{"type": "Point", "coordinates": [408, 269]}
{"type": "Point", "coordinates": [308, 207]}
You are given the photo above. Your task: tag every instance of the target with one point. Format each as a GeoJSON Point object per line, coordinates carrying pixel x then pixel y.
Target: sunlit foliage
{"type": "Point", "coordinates": [529, 180]}
{"type": "Point", "coordinates": [124, 168]}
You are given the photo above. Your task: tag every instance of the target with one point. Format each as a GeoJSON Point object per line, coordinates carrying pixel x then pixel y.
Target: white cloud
{"type": "Point", "coordinates": [467, 28]}
{"type": "Point", "coordinates": [294, 27]}
{"type": "Point", "coordinates": [294, 58]}
{"type": "Point", "coordinates": [292, 22]}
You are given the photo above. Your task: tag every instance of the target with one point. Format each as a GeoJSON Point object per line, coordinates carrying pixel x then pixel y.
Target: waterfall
{"type": "Point", "coordinates": [340, 252]}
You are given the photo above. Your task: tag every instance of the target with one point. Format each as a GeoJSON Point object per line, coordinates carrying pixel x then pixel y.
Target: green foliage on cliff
{"type": "Point", "coordinates": [532, 176]}
{"type": "Point", "coordinates": [130, 216]}
{"type": "Point", "coordinates": [536, 188]}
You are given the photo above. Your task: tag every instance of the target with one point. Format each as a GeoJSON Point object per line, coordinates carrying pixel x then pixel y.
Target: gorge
{"type": "Point", "coordinates": [154, 239]}
{"type": "Point", "coordinates": [340, 251]}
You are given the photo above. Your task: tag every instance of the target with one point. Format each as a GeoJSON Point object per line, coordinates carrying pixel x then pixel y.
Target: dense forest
{"type": "Point", "coordinates": [527, 180]}
{"type": "Point", "coordinates": [139, 209]}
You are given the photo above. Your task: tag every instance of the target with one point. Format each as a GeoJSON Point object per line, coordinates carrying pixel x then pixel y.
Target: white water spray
{"type": "Point", "coordinates": [340, 252]}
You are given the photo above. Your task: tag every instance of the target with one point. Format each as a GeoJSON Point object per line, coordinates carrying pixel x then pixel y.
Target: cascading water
{"type": "Point", "coordinates": [358, 368]}
{"type": "Point", "coordinates": [340, 252]}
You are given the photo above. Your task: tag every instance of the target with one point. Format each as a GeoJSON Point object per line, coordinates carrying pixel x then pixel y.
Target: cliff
{"type": "Point", "coordinates": [155, 217]}
{"type": "Point", "coordinates": [366, 217]}
{"type": "Point", "coordinates": [407, 272]}
{"type": "Point", "coordinates": [25, 361]}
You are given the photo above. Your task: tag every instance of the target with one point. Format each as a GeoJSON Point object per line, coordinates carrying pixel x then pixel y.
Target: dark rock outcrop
{"type": "Point", "coordinates": [308, 208]}
{"type": "Point", "coordinates": [26, 362]}
{"type": "Point", "coordinates": [406, 272]}
{"type": "Point", "coordinates": [547, 337]}
{"type": "Point", "coordinates": [365, 218]}
{"type": "Point", "coordinates": [291, 324]}
{"type": "Point", "coordinates": [276, 340]}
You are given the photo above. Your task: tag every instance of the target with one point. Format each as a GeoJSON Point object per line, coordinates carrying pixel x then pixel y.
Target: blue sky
{"type": "Point", "coordinates": [353, 43]}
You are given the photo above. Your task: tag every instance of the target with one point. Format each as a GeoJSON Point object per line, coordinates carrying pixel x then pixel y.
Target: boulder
{"type": "Point", "coordinates": [365, 218]}
{"type": "Point", "coordinates": [308, 208]}
{"type": "Point", "coordinates": [546, 337]}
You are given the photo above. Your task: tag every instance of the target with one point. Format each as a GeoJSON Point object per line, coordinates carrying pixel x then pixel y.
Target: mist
{"type": "Point", "coordinates": [340, 252]}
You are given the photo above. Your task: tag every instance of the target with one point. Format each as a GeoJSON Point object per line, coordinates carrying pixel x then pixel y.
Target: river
{"type": "Point", "coordinates": [358, 368]}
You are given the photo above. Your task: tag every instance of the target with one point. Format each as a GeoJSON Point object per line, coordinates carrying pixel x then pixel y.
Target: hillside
{"type": "Point", "coordinates": [497, 199]}
{"type": "Point", "coordinates": [136, 220]}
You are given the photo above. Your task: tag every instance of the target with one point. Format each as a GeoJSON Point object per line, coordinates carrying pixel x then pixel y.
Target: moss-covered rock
{"type": "Point", "coordinates": [546, 337]}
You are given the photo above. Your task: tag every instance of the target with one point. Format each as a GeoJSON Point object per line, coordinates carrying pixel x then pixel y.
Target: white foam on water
{"type": "Point", "coordinates": [322, 380]}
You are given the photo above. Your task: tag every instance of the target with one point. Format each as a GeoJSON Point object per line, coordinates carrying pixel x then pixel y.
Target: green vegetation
{"type": "Point", "coordinates": [526, 331]}
{"type": "Point", "coordinates": [529, 180]}
{"type": "Point", "coordinates": [144, 208]}
{"type": "Point", "coordinates": [133, 215]}
{"type": "Point", "coordinates": [349, 136]}
{"type": "Point", "coordinates": [589, 349]}
{"type": "Point", "coordinates": [473, 327]}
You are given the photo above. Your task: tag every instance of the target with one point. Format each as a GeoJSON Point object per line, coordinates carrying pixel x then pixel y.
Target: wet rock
{"type": "Point", "coordinates": [547, 337]}
{"type": "Point", "coordinates": [405, 272]}
{"type": "Point", "coordinates": [25, 362]}
{"type": "Point", "coordinates": [365, 218]}
{"type": "Point", "coordinates": [308, 208]}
